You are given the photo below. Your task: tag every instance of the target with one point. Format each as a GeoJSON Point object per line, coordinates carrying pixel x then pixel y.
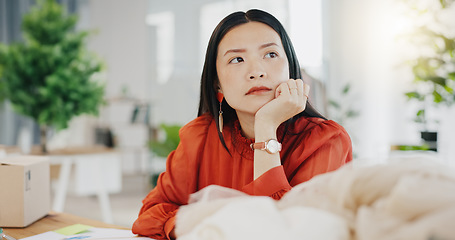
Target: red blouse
{"type": "Point", "coordinates": [311, 146]}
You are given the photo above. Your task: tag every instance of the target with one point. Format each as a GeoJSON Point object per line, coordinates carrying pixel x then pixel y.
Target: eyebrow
{"type": "Point", "coordinates": [236, 50]}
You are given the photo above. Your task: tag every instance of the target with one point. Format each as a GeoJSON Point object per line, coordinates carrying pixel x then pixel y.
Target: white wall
{"type": "Point", "coordinates": [175, 99]}
{"type": "Point", "coordinates": [121, 41]}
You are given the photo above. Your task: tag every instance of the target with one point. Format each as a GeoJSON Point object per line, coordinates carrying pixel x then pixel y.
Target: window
{"type": "Point", "coordinates": [163, 26]}
{"type": "Point", "coordinates": [306, 34]}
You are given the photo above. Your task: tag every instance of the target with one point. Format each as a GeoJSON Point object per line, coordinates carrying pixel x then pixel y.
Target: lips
{"type": "Point", "coordinates": [258, 90]}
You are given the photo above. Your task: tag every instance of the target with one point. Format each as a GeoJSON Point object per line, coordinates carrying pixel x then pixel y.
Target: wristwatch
{"type": "Point", "coordinates": [271, 146]}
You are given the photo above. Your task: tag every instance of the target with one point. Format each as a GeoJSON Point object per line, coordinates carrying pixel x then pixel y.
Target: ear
{"type": "Point", "coordinates": [218, 88]}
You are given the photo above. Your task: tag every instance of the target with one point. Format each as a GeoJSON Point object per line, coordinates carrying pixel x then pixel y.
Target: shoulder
{"type": "Point", "coordinates": [310, 135]}
{"type": "Point", "coordinates": [196, 128]}
{"type": "Point", "coordinates": [313, 127]}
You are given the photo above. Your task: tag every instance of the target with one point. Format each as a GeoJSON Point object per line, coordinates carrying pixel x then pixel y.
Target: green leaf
{"type": "Point", "coordinates": [351, 114]}
{"type": "Point", "coordinates": [437, 80]}
{"type": "Point", "coordinates": [451, 75]}
{"type": "Point", "coordinates": [437, 98]}
{"type": "Point", "coordinates": [415, 95]}
{"type": "Point", "coordinates": [443, 3]}
{"type": "Point", "coordinates": [334, 104]}
{"type": "Point", "coordinates": [448, 89]}
{"type": "Point", "coordinates": [421, 113]}
{"type": "Point", "coordinates": [346, 89]}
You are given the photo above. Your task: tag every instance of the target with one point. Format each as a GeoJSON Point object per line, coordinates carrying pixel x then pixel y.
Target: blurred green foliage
{"type": "Point", "coordinates": [423, 147]}
{"type": "Point", "coordinates": [2, 87]}
{"type": "Point", "coordinates": [341, 113]}
{"type": "Point", "coordinates": [48, 76]}
{"type": "Point", "coordinates": [434, 74]}
{"type": "Point", "coordinates": [162, 148]}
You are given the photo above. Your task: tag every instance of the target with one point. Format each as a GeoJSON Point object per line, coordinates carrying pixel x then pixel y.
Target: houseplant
{"type": "Point", "coordinates": [434, 68]}
{"type": "Point", "coordinates": [162, 145]}
{"type": "Point", "coordinates": [48, 76]}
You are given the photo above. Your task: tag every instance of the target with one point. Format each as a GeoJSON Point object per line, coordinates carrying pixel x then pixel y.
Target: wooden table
{"type": "Point", "coordinates": [70, 158]}
{"type": "Point", "coordinates": [54, 221]}
{"type": "Point", "coordinates": [95, 159]}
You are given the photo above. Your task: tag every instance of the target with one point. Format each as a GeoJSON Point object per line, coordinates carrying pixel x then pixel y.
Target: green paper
{"type": "Point", "coordinates": [73, 229]}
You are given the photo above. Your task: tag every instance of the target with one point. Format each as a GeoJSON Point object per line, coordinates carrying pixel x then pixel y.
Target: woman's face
{"type": "Point", "coordinates": [251, 63]}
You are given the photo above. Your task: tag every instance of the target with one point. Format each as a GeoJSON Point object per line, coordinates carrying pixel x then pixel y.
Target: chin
{"type": "Point", "coordinates": [251, 107]}
{"type": "Point", "coordinates": [250, 110]}
{"type": "Point", "coordinates": [255, 109]}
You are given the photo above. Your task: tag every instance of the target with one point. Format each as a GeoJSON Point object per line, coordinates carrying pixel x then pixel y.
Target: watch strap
{"type": "Point", "coordinates": [258, 145]}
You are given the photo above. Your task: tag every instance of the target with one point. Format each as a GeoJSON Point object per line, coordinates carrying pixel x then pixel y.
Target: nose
{"type": "Point", "coordinates": [256, 75]}
{"type": "Point", "coordinates": [256, 72]}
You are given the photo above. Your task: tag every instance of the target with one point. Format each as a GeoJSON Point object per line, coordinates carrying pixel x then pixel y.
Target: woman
{"type": "Point", "coordinates": [255, 131]}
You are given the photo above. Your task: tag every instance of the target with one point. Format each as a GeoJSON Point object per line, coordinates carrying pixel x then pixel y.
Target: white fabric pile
{"type": "Point", "coordinates": [412, 199]}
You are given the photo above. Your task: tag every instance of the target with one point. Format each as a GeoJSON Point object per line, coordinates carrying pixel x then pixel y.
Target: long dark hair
{"type": "Point", "coordinates": [208, 102]}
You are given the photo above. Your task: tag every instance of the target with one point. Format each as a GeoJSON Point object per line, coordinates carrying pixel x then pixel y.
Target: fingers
{"type": "Point", "coordinates": [305, 89]}
{"type": "Point", "coordinates": [287, 88]}
{"type": "Point", "coordinates": [294, 88]}
{"type": "Point", "coordinates": [298, 87]}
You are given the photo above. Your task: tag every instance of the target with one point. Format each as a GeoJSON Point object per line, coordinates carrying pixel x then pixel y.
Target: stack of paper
{"type": "Point", "coordinates": [85, 232]}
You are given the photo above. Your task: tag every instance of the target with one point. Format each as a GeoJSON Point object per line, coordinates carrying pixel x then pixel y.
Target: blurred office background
{"type": "Point", "coordinates": [154, 52]}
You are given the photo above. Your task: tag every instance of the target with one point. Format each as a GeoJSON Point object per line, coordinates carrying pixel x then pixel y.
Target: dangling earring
{"type": "Point", "coordinates": [220, 97]}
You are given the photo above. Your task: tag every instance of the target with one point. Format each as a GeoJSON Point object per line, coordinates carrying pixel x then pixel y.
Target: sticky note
{"type": "Point", "coordinates": [73, 229]}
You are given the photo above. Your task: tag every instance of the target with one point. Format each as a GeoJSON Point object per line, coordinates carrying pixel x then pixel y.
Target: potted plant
{"type": "Point", "coordinates": [434, 68]}
{"type": "Point", "coordinates": [162, 146]}
{"type": "Point", "coordinates": [48, 76]}
{"type": "Point", "coordinates": [170, 141]}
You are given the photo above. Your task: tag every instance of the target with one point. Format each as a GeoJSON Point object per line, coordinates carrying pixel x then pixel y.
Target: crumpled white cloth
{"type": "Point", "coordinates": [222, 213]}
{"type": "Point", "coordinates": [412, 199]}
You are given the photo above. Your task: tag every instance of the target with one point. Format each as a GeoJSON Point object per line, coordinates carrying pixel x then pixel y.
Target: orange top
{"type": "Point", "coordinates": [311, 146]}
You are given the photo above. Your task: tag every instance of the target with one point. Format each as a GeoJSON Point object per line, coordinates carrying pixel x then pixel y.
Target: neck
{"type": "Point", "coordinates": [247, 124]}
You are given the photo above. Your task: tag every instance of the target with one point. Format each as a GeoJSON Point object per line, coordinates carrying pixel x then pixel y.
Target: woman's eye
{"type": "Point", "coordinates": [236, 60]}
{"type": "Point", "coordinates": [271, 55]}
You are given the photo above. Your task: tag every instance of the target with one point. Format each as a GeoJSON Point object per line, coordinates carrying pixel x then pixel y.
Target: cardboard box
{"type": "Point", "coordinates": [24, 190]}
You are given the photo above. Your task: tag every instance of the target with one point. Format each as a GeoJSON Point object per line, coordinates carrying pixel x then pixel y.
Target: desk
{"type": "Point", "coordinates": [54, 221]}
{"type": "Point", "coordinates": [95, 162]}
